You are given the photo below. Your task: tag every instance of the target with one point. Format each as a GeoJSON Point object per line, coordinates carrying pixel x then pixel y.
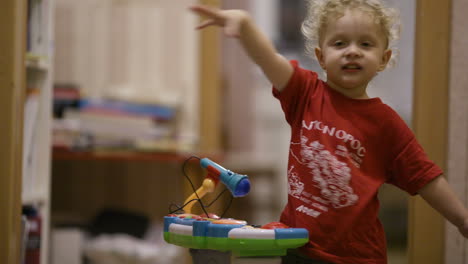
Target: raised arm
{"type": "Point", "coordinates": [239, 24]}
{"type": "Point", "coordinates": [440, 196]}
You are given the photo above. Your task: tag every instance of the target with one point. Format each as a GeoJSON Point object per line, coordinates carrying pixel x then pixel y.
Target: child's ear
{"type": "Point", "coordinates": [385, 59]}
{"type": "Point", "coordinates": [319, 55]}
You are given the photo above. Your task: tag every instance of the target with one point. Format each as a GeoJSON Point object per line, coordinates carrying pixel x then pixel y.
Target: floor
{"type": "Point", "coordinates": [397, 256]}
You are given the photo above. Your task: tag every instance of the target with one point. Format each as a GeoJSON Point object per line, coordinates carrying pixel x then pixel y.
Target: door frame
{"type": "Point", "coordinates": [12, 93]}
{"type": "Point", "coordinates": [430, 121]}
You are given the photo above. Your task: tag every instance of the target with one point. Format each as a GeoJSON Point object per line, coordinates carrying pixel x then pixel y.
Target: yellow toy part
{"type": "Point", "coordinates": [208, 186]}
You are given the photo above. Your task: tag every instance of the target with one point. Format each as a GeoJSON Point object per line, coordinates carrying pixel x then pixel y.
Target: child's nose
{"type": "Point", "coordinates": [353, 50]}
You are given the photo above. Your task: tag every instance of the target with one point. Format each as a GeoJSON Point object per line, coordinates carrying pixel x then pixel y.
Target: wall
{"type": "Point", "coordinates": [237, 81]}
{"type": "Point", "coordinates": [395, 85]}
{"type": "Point", "coordinates": [456, 248]}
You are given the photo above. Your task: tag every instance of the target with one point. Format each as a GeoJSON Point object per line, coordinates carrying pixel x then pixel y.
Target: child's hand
{"type": "Point", "coordinates": [230, 20]}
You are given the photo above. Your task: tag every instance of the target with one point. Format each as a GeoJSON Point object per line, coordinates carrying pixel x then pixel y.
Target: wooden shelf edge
{"type": "Point", "coordinates": [37, 62]}
{"type": "Point", "coordinates": [62, 154]}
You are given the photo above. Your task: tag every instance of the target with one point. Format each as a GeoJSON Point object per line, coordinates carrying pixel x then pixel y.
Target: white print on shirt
{"type": "Point", "coordinates": [295, 186]}
{"type": "Point", "coordinates": [308, 211]}
{"type": "Point", "coordinates": [355, 144]}
{"type": "Point", "coordinates": [331, 176]}
{"type": "Point", "coordinates": [343, 152]}
{"type": "Point", "coordinates": [296, 189]}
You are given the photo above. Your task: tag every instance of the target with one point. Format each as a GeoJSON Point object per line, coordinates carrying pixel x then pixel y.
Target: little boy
{"type": "Point", "coordinates": [344, 145]}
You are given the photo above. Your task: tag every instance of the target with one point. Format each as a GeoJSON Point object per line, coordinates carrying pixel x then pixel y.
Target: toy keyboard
{"type": "Point", "coordinates": [242, 240]}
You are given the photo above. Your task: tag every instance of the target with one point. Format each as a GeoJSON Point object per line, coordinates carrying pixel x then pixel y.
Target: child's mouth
{"type": "Point", "coordinates": [351, 67]}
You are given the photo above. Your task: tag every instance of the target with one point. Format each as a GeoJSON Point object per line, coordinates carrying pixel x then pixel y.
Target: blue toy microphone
{"type": "Point", "coordinates": [238, 184]}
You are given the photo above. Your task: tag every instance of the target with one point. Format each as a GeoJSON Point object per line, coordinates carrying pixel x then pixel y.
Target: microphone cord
{"type": "Point", "coordinates": [198, 199]}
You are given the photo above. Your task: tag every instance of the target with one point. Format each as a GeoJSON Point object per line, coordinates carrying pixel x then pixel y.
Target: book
{"type": "Point", "coordinates": [118, 125]}
{"type": "Point", "coordinates": [159, 112]}
{"type": "Point", "coordinates": [65, 96]}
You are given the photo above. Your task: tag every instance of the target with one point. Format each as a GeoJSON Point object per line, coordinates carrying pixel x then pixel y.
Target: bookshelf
{"type": "Point", "coordinates": [27, 67]}
{"type": "Point", "coordinates": [84, 182]}
{"type": "Point", "coordinates": [25, 75]}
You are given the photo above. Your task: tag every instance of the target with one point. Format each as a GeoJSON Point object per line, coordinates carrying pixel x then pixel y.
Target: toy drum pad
{"type": "Point", "coordinates": [197, 232]}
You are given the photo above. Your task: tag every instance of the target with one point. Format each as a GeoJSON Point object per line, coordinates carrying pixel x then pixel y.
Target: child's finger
{"type": "Point", "coordinates": [206, 23]}
{"type": "Point", "coordinates": [206, 11]}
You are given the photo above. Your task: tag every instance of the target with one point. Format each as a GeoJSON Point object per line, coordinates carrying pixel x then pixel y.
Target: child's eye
{"type": "Point", "coordinates": [338, 43]}
{"type": "Point", "coordinates": [366, 44]}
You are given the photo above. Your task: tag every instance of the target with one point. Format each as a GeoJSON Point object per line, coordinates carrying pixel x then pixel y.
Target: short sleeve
{"type": "Point", "coordinates": [294, 96]}
{"type": "Point", "coordinates": [411, 169]}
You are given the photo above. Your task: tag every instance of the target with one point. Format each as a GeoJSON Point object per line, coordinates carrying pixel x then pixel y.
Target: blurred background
{"type": "Point", "coordinates": [136, 91]}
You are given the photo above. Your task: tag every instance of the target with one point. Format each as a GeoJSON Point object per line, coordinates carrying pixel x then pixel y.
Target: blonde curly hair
{"type": "Point", "coordinates": [320, 11]}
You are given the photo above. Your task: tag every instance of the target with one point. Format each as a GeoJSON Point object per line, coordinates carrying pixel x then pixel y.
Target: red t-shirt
{"type": "Point", "coordinates": [342, 150]}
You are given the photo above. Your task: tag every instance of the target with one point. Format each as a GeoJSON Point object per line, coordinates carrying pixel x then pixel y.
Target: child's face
{"type": "Point", "coordinates": [353, 48]}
